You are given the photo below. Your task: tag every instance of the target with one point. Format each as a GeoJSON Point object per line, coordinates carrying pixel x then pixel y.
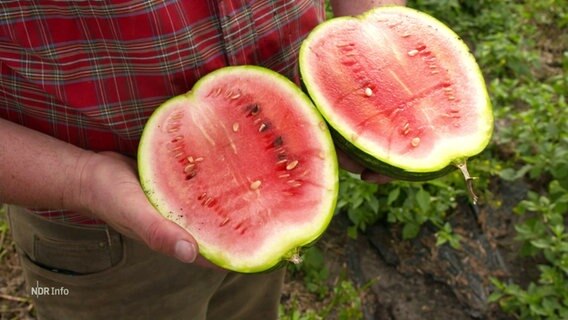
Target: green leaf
{"type": "Point", "coordinates": [423, 200]}
{"type": "Point", "coordinates": [541, 243]}
{"type": "Point", "coordinates": [352, 232]}
{"type": "Point", "coordinates": [393, 195]}
{"type": "Point", "coordinates": [410, 231]}
{"type": "Point", "coordinates": [373, 203]}
{"type": "Point", "coordinates": [313, 258]}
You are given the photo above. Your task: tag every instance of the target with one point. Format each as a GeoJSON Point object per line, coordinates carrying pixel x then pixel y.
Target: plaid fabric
{"type": "Point", "coordinates": [90, 72]}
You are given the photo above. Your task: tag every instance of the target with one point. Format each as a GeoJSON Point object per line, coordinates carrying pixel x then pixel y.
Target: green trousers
{"type": "Point", "coordinates": [78, 273]}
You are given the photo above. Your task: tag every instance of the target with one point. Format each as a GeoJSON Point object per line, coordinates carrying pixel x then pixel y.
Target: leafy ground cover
{"type": "Point", "coordinates": [419, 250]}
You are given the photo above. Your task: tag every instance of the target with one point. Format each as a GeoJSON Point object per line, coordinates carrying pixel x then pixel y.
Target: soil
{"type": "Point", "coordinates": [418, 280]}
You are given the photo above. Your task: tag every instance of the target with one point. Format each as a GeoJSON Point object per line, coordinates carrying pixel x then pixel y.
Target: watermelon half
{"type": "Point", "coordinates": [245, 163]}
{"type": "Point", "coordinates": [401, 91]}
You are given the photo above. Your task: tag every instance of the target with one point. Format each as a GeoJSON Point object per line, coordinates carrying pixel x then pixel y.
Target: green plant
{"type": "Point", "coordinates": [342, 300]}
{"type": "Point", "coordinates": [532, 145]}
{"type": "Point", "coordinates": [359, 201]}
{"type": "Point", "coordinates": [409, 203]}
{"type": "Point", "coordinates": [3, 233]}
{"type": "Point", "coordinates": [314, 271]}
{"type": "Point", "coordinates": [543, 233]}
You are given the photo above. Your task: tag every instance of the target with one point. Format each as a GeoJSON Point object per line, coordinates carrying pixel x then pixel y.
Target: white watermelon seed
{"type": "Point", "coordinates": [177, 139]}
{"type": "Point", "coordinates": [368, 92]}
{"type": "Point", "coordinates": [294, 183]}
{"type": "Point", "coordinates": [415, 141]}
{"type": "Point", "coordinates": [189, 168]}
{"type": "Point", "coordinates": [173, 146]}
{"type": "Point", "coordinates": [177, 115]}
{"type": "Point", "coordinates": [406, 128]}
{"type": "Point", "coordinates": [173, 128]}
{"type": "Point", "coordinates": [262, 127]}
{"type": "Point", "coordinates": [236, 95]}
{"type": "Point", "coordinates": [255, 184]}
{"type": "Point", "coordinates": [235, 127]}
{"type": "Point", "coordinates": [291, 165]}
{"type": "Point", "coordinates": [412, 53]}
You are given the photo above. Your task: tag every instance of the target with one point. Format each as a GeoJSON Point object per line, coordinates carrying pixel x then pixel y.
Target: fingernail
{"type": "Point", "coordinates": [185, 251]}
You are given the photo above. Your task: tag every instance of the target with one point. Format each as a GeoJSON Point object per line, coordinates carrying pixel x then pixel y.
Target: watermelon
{"type": "Point", "coordinates": [245, 163]}
{"type": "Point", "coordinates": [401, 92]}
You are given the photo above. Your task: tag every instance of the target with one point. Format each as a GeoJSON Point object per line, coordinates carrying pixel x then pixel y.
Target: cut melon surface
{"type": "Point", "coordinates": [400, 87]}
{"type": "Point", "coordinates": [245, 163]}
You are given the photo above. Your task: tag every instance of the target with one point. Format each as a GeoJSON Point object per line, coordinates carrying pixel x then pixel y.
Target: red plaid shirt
{"type": "Point", "coordinates": [90, 72]}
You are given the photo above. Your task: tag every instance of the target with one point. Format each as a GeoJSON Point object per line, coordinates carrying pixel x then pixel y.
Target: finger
{"type": "Point", "coordinates": [348, 163]}
{"type": "Point", "coordinates": [375, 177]}
{"type": "Point", "coordinates": [125, 207]}
{"type": "Point", "coordinates": [164, 236]}
{"type": "Point", "coordinates": [167, 237]}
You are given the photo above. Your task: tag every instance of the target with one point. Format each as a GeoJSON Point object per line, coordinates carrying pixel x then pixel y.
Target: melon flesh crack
{"type": "Point", "coordinates": [402, 84]}
{"type": "Point", "coordinates": [398, 111]}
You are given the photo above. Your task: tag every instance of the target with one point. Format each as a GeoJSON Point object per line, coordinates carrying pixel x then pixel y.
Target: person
{"type": "Point", "coordinates": [78, 81]}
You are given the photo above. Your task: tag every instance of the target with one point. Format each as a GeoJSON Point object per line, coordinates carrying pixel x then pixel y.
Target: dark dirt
{"type": "Point", "coordinates": [418, 280]}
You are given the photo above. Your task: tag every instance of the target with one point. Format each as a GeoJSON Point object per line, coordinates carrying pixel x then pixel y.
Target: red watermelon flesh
{"type": "Point", "coordinates": [245, 163]}
{"type": "Point", "coordinates": [400, 86]}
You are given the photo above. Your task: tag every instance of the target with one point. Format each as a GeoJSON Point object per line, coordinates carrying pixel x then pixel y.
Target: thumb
{"type": "Point", "coordinates": [167, 237]}
{"type": "Point", "coordinates": [163, 235]}
{"type": "Point", "coordinates": [118, 199]}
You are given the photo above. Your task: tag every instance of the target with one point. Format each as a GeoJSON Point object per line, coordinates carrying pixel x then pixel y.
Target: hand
{"type": "Point", "coordinates": [366, 174]}
{"type": "Point", "coordinates": [110, 191]}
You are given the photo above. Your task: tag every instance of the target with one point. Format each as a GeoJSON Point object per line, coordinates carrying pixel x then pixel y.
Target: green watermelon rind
{"type": "Point", "coordinates": [384, 168]}
{"type": "Point", "coordinates": [364, 153]}
{"type": "Point", "coordinates": [291, 249]}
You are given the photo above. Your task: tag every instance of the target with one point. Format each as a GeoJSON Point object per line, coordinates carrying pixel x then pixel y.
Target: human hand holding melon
{"type": "Point", "coordinates": [348, 163]}
{"type": "Point", "coordinates": [111, 192]}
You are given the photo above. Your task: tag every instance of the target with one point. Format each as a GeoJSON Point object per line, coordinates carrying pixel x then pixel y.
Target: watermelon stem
{"type": "Point", "coordinates": [468, 181]}
{"type": "Point", "coordinates": [295, 258]}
